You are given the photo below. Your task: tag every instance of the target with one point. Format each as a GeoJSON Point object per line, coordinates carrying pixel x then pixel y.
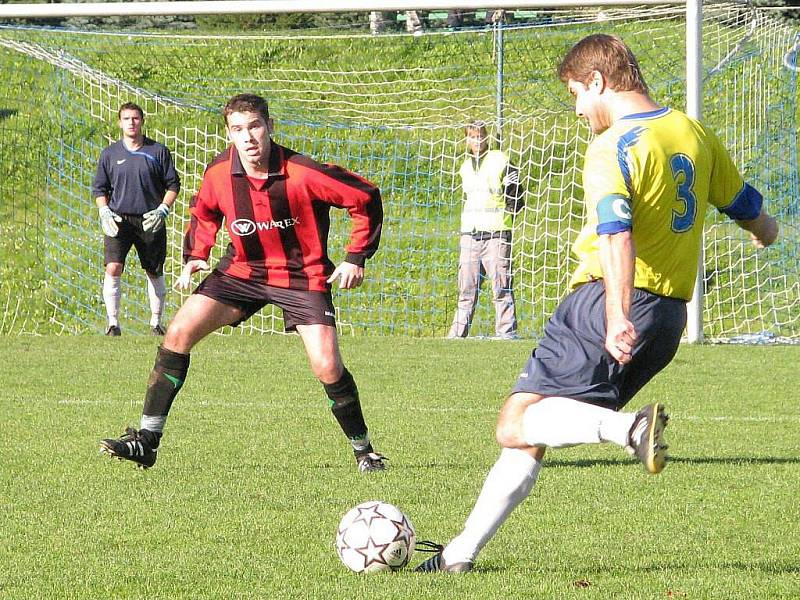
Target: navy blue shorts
{"type": "Point", "coordinates": [300, 307]}
{"type": "Point", "coordinates": [571, 360]}
{"type": "Point", "coordinates": [151, 247]}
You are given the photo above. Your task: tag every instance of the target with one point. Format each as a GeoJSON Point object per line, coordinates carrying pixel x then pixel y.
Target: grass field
{"type": "Point", "coordinates": [253, 476]}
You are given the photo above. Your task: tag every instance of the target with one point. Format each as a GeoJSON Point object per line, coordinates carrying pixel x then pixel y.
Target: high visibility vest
{"type": "Point", "coordinates": [484, 196]}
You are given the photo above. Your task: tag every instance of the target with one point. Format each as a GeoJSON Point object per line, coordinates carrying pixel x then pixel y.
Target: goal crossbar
{"type": "Point", "coordinates": [210, 7]}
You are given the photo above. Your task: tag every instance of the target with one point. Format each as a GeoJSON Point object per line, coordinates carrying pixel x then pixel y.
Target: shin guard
{"type": "Point", "coordinates": [345, 406]}
{"type": "Point", "coordinates": [166, 379]}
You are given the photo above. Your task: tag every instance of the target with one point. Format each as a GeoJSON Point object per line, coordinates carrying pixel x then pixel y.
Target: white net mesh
{"type": "Point", "coordinates": [392, 108]}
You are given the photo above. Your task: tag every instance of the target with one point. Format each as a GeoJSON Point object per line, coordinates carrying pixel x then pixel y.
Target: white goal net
{"type": "Point", "coordinates": [391, 107]}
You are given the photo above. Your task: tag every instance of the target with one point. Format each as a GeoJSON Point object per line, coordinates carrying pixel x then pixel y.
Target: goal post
{"type": "Point", "coordinates": [391, 107]}
{"type": "Point", "coordinates": [694, 108]}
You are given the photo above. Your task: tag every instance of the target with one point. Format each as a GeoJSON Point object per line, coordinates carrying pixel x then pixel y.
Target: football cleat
{"type": "Point", "coordinates": [157, 330]}
{"type": "Point", "coordinates": [436, 562]}
{"type": "Point", "coordinates": [131, 446]}
{"type": "Point", "coordinates": [113, 331]}
{"type": "Point", "coordinates": [645, 438]}
{"type": "Point", "coordinates": [372, 461]}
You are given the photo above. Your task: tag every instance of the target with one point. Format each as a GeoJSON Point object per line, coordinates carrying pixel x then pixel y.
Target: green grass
{"type": "Point", "coordinates": [253, 476]}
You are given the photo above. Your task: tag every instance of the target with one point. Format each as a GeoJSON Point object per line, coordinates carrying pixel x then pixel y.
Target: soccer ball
{"type": "Point", "coordinates": [375, 536]}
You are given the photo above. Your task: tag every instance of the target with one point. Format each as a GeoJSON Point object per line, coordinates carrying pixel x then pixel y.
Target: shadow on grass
{"type": "Point", "coordinates": [609, 462]}
{"type": "Point", "coordinates": [7, 112]}
{"type": "Point", "coordinates": [699, 460]}
{"type": "Point", "coordinates": [769, 568]}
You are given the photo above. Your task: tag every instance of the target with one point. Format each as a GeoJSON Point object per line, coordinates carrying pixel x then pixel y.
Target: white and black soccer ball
{"type": "Point", "coordinates": [375, 536]}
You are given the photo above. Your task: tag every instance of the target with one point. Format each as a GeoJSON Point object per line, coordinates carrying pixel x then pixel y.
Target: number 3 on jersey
{"type": "Point", "coordinates": [683, 174]}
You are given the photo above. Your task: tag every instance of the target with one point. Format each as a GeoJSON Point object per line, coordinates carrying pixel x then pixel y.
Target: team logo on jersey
{"type": "Point", "coordinates": [245, 227]}
{"type": "Point", "coordinates": [622, 208]}
{"type": "Point", "coordinates": [242, 227]}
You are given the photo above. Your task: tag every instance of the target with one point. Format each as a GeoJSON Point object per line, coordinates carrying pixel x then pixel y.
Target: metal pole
{"type": "Point", "coordinates": [499, 97]}
{"type": "Point", "coordinates": [694, 106]}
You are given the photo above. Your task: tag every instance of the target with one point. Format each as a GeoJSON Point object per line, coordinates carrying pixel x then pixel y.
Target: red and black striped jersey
{"type": "Point", "coordinates": [279, 226]}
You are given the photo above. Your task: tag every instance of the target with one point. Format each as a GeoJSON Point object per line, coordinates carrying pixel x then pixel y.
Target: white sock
{"type": "Point", "coordinates": [559, 422]}
{"type": "Point", "coordinates": [157, 291]}
{"type": "Point", "coordinates": [111, 295]}
{"type": "Point", "coordinates": [153, 423]}
{"type": "Point", "coordinates": [508, 483]}
{"type": "Point", "coordinates": [360, 444]}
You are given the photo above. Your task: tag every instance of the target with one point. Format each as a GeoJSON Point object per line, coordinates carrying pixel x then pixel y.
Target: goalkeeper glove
{"type": "Point", "coordinates": [154, 219]}
{"type": "Point", "coordinates": [109, 220]}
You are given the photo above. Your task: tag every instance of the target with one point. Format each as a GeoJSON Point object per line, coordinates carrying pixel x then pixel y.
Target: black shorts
{"type": "Point", "coordinates": [151, 247]}
{"type": "Point", "coordinates": [300, 307]}
{"type": "Point", "coordinates": [571, 360]}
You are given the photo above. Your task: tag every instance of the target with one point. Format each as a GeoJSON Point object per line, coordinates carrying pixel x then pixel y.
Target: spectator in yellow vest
{"type": "Point", "coordinates": [492, 196]}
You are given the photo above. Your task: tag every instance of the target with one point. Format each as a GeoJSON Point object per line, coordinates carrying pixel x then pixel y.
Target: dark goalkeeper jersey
{"type": "Point", "coordinates": [279, 226]}
{"type": "Point", "coordinates": [135, 181]}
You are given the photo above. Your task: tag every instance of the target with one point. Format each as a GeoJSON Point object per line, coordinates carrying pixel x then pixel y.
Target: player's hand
{"type": "Point", "coordinates": [766, 234]}
{"type": "Point", "coordinates": [154, 219]}
{"type": "Point", "coordinates": [620, 339]}
{"type": "Point", "coordinates": [109, 220]}
{"type": "Point", "coordinates": [349, 275]}
{"type": "Point", "coordinates": [191, 267]}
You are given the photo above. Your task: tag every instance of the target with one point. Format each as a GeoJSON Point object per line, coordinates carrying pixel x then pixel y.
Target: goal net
{"type": "Point", "coordinates": [391, 107]}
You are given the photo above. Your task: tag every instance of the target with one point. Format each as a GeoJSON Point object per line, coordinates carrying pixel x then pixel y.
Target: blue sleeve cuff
{"type": "Point", "coordinates": [613, 227]}
{"type": "Point", "coordinates": [746, 205]}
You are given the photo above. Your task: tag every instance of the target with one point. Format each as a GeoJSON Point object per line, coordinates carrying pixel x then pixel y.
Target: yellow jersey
{"type": "Point", "coordinates": [655, 174]}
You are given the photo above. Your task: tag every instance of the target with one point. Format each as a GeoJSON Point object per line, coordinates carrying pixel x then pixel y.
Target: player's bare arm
{"type": "Point", "coordinates": [349, 275]}
{"type": "Point", "coordinates": [763, 229]}
{"type": "Point", "coordinates": [617, 259]}
{"type": "Point", "coordinates": [169, 198]}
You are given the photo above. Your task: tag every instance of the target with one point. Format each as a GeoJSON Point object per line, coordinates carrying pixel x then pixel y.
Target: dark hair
{"type": "Point", "coordinates": [246, 103]}
{"type": "Point", "coordinates": [607, 54]}
{"type": "Point", "coordinates": [479, 125]}
{"type": "Point", "coordinates": [130, 106]}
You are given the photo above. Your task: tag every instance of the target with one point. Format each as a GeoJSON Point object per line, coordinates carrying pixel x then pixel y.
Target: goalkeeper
{"type": "Point", "coordinates": [649, 176]}
{"type": "Point", "coordinates": [275, 205]}
{"type": "Point", "coordinates": [134, 188]}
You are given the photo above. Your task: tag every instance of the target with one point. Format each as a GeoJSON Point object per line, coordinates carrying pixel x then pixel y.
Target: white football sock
{"type": "Point", "coordinates": [157, 291]}
{"type": "Point", "coordinates": [111, 296]}
{"type": "Point", "coordinates": [360, 444]}
{"type": "Point", "coordinates": [508, 483]}
{"type": "Point", "coordinates": [559, 422]}
{"type": "Point", "coordinates": [152, 423]}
